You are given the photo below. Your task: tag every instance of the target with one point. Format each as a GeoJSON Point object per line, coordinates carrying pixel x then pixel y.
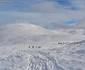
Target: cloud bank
{"type": "Point", "coordinates": [42, 12]}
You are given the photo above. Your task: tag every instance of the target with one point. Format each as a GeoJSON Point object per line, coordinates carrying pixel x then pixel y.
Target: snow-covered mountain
{"type": "Point", "coordinates": [28, 33]}
{"type": "Point", "coordinates": [22, 33]}
{"type": "Point", "coordinates": [60, 49]}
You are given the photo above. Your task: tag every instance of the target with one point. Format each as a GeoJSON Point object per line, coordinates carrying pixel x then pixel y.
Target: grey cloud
{"type": "Point", "coordinates": [81, 24]}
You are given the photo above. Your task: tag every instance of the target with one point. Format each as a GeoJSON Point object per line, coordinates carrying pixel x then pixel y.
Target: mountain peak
{"type": "Point", "coordinates": [26, 25]}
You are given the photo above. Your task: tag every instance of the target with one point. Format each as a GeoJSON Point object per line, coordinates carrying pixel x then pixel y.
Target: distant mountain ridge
{"type": "Point", "coordinates": [25, 33]}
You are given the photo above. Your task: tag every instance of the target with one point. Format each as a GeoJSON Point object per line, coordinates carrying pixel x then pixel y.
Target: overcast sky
{"type": "Point", "coordinates": [42, 12]}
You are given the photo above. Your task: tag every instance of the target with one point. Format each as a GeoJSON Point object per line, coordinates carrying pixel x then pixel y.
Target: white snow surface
{"type": "Point", "coordinates": [60, 49]}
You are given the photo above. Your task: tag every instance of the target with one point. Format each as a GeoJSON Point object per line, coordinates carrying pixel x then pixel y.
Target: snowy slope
{"type": "Point", "coordinates": [70, 57]}
{"type": "Point", "coordinates": [28, 34]}
{"type": "Point", "coordinates": [15, 53]}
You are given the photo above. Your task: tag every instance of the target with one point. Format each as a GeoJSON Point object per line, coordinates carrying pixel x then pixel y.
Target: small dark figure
{"type": "Point", "coordinates": [32, 46]}
{"type": "Point", "coordinates": [29, 46]}
{"type": "Point", "coordinates": [59, 43]}
{"type": "Point", "coordinates": [39, 46]}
